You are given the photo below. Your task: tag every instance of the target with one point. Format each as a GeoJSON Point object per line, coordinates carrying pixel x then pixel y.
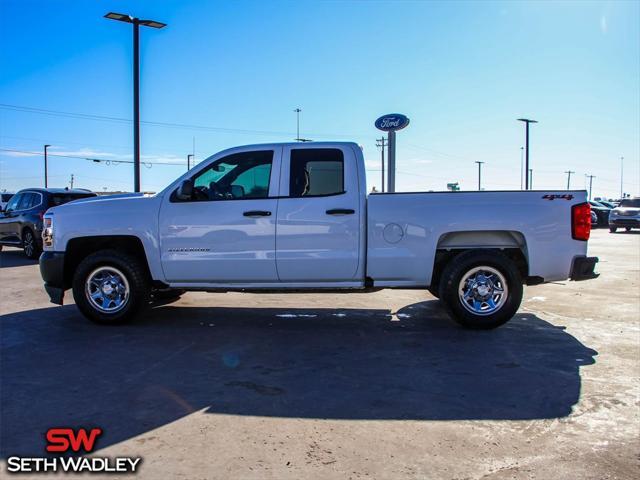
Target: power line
{"type": "Point", "coordinates": [121, 120]}
{"type": "Point", "coordinates": [107, 161]}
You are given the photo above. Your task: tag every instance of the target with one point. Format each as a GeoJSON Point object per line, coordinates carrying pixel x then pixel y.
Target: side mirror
{"type": "Point", "coordinates": [185, 190]}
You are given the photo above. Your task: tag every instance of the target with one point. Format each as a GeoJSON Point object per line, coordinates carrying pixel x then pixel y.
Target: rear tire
{"type": "Point", "coordinates": [628, 229]}
{"type": "Point", "coordinates": [110, 287]}
{"type": "Point", "coordinates": [481, 289]}
{"type": "Point", "coordinates": [30, 245]}
{"type": "Point", "coordinates": [613, 229]}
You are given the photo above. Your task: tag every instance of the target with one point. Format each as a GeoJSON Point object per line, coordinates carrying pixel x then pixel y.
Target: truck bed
{"type": "Point", "coordinates": [402, 253]}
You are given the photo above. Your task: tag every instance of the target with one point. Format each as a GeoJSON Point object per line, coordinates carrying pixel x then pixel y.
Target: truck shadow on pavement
{"type": "Point", "coordinates": [60, 370]}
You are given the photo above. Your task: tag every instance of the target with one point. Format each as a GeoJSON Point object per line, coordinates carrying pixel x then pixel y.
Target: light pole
{"type": "Point", "coordinates": [136, 22]}
{"type": "Point", "coordinates": [527, 121]}
{"type": "Point", "coordinates": [189, 157]}
{"type": "Point", "coordinates": [479, 175]}
{"type": "Point", "coordinates": [521, 165]}
{"type": "Point", "coordinates": [591, 177]}
{"type": "Point", "coordinates": [298, 139]}
{"type": "Point", "coordinates": [621, 178]}
{"type": "Point", "coordinates": [45, 166]}
{"type": "Point", "coordinates": [569, 172]}
{"type": "Point", "coordinates": [530, 180]}
{"type": "Point", "coordinates": [298, 110]}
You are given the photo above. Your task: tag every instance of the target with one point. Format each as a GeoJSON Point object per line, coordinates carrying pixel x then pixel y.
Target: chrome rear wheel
{"type": "Point", "coordinates": [483, 290]}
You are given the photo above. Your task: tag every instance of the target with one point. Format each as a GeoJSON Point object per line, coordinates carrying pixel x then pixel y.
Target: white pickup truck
{"type": "Point", "coordinates": [292, 217]}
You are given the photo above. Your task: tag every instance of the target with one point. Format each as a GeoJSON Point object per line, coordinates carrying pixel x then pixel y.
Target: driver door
{"type": "Point", "coordinates": [226, 232]}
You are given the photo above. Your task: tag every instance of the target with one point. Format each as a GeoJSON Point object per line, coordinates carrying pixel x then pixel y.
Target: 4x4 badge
{"type": "Point", "coordinates": [565, 196]}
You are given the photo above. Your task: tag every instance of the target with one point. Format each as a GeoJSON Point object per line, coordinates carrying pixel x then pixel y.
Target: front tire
{"type": "Point", "coordinates": [628, 229]}
{"type": "Point", "coordinates": [30, 245]}
{"type": "Point", "coordinates": [481, 289]}
{"type": "Point", "coordinates": [110, 287]}
{"type": "Point", "coordinates": [612, 229]}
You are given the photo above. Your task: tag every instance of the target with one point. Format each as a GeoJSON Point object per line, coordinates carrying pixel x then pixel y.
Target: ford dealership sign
{"type": "Point", "coordinates": [392, 121]}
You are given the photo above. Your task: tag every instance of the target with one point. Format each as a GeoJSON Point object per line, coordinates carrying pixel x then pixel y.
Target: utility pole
{"type": "Point", "coordinates": [621, 177]}
{"type": "Point", "coordinates": [591, 177]}
{"type": "Point", "coordinates": [527, 121]}
{"type": "Point", "coordinates": [530, 179]}
{"type": "Point", "coordinates": [189, 157]}
{"type": "Point", "coordinates": [45, 166]}
{"type": "Point", "coordinates": [569, 172]}
{"type": "Point", "coordinates": [71, 182]}
{"type": "Point", "coordinates": [380, 142]}
{"type": "Point", "coordinates": [521, 166]}
{"type": "Point", "coordinates": [479, 175]}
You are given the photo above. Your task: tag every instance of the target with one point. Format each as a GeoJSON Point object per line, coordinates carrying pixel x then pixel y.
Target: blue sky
{"type": "Point", "coordinates": [462, 71]}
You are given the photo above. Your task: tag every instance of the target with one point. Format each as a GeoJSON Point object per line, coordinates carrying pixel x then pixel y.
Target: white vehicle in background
{"type": "Point", "coordinates": [293, 217]}
{"type": "Point", "coordinates": [626, 215]}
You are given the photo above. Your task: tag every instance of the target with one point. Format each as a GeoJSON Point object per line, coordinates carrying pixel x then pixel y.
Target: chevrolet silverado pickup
{"type": "Point", "coordinates": [295, 217]}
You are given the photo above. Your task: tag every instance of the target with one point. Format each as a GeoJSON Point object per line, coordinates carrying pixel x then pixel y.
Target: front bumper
{"type": "Point", "coordinates": [52, 271]}
{"type": "Point", "coordinates": [633, 222]}
{"type": "Point", "coordinates": [583, 268]}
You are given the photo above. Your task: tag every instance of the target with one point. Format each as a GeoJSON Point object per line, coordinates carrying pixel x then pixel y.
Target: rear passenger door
{"type": "Point", "coordinates": [318, 225]}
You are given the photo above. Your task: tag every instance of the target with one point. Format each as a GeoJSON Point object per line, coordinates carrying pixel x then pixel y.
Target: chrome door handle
{"type": "Point", "coordinates": [341, 211]}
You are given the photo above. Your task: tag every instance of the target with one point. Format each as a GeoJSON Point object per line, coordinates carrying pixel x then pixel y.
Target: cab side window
{"type": "Point", "coordinates": [316, 172]}
{"type": "Point", "coordinates": [239, 176]}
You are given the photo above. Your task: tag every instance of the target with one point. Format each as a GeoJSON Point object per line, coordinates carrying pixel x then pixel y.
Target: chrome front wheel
{"type": "Point", "coordinates": [107, 289]}
{"type": "Point", "coordinates": [483, 290]}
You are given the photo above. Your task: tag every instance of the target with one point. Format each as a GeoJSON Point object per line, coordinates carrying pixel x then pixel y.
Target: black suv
{"type": "Point", "coordinates": [21, 221]}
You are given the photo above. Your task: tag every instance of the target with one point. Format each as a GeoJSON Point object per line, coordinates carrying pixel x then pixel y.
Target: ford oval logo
{"type": "Point", "coordinates": [392, 121]}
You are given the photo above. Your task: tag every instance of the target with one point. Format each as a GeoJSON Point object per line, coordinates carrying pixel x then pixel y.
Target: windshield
{"type": "Point", "coordinates": [630, 202]}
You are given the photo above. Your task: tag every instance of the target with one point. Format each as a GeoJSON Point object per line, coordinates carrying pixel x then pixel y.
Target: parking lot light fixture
{"type": "Point", "coordinates": [527, 121]}
{"type": "Point", "coordinates": [136, 22]}
{"type": "Point", "coordinates": [46, 180]}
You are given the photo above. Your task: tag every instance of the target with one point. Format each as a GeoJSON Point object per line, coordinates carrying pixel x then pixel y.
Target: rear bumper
{"type": "Point", "coordinates": [583, 268]}
{"type": "Point", "coordinates": [52, 272]}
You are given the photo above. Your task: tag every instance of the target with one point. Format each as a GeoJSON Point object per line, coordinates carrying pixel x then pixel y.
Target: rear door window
{"type": "Point", "coordinates": [316, 172]}
{"type": "Point", "coordinates": [28, 200]}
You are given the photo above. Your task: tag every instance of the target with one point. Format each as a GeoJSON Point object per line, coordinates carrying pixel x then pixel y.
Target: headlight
{"type": "Point", "coordinates": [47, 232]}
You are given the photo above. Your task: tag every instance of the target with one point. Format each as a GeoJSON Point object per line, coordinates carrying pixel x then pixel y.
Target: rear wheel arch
{"type": "Point", "coordinates": [509, 243]}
